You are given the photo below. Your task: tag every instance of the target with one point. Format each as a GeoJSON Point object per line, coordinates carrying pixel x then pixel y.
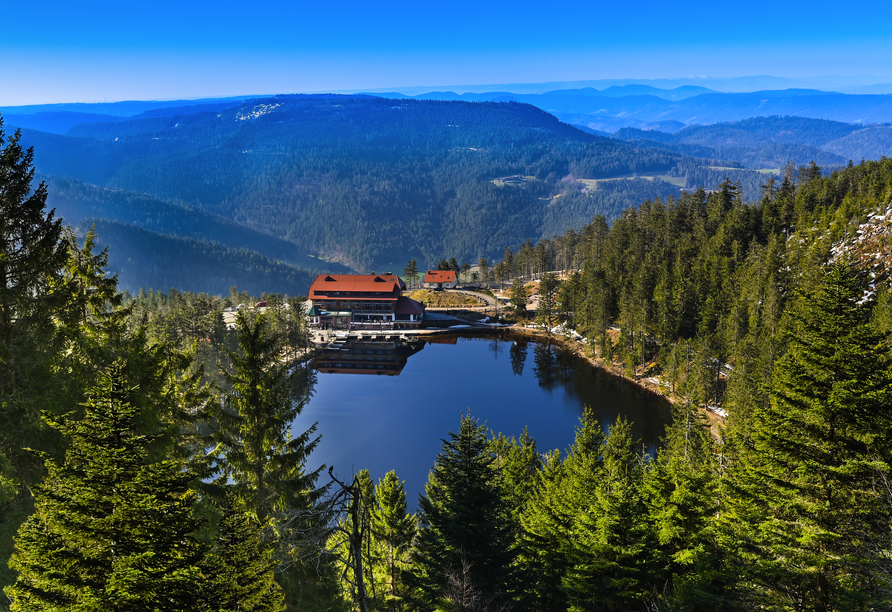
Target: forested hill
{"type": "Point", "coordinates": [75, 201]}
{"type": "Point", "coordinates": [142, 258]}
{"type": "Point", "coordinates": [770, 142]}
{"type": "Point", "coordinates": [371, 182]}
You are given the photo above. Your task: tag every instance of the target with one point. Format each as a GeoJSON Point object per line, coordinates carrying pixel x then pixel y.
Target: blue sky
{"type": "Point", "coordinates": [90, 51]}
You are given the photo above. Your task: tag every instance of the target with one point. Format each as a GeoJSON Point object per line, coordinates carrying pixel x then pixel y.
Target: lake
{"type": "Point", "coordinates": [394, 416]}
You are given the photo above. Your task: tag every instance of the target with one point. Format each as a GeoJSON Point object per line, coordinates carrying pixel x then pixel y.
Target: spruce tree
{"type": "Point", "coordinates": [682, 491]}
{"type": "Point", "coordinates": [466, 525]}
{"type": "Point", "coordinates": [263, 462]}
{"type": "Point", "coordinates": [563, 491]}
{"type": "Point", "coordinates": [612, 552]}
{"type": "Point", "coordinates": [519, 297]}
{"type": "Point", "coordinates": [394, 530]}
{"type": "Point", "coordinates": [411, 273]}
{"type": "Point", "coordinates": [804, 500]}
{"type": "Point", "coordinates": [32, 255]}
{"type": "Point", "coordinates": [112, 529]}
{"type": "Point", "coordinates": [239, 567]}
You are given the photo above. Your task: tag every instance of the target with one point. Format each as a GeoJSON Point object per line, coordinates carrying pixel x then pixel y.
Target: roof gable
{"type": "Point", "coordinates": [374, 283]}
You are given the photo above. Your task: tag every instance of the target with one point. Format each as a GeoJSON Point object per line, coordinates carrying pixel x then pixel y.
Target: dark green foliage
{"type": "Point", "coordinates": [32, 255]}
{"type": "Point", "coordinates": [76, 202]}
{"type": "Point", "coordinates": [262, 460]}
{"type": "Point", "coordinates": [373, 180]}
{"type": "Point", "coordinates": [112, 528]}
{"type": "Point", "coordinates": [411, 274]}
{"type": "Point", "coordinates": [239, 567]}
{"type": "Point", "coordinates": [394, 530]}
{"type": "Point", "coordinates": [519, 297]}
{"type": "Point", "coordinates": [681, 487]}
{"type": "Point", "coordinates": [145, 259]}
{"type": "Point", "coordinates": [561, 494]}
{"type": "Point", "coordinates": [808, 502]}
{"type": "Point", "coordinates": [465, 545]}
{"type": "Point", "coordinates": [263, 463]}
{"type": "Point", "coordinates": [548, 287]}
{"type": "Point", "coordinates": [612, 551]}
{"type": "Point", "coordinates": [519, 464]}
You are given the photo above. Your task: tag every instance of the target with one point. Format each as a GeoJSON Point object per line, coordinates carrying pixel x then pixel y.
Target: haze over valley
{"type": "Point", "coordinates": [362, 182]}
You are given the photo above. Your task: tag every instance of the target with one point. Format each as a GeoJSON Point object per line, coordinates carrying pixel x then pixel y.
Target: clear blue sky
{"type": "Point", "coordinates": [90, 51]}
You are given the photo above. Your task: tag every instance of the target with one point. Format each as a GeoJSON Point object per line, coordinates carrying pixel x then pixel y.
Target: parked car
{"type": "Point", "coordinates": [259, 304]}
{"type": "Point", "coordinates": [229, 309]}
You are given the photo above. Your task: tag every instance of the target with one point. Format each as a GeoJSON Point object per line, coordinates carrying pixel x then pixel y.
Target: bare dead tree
{"type": "Point", "coordinates": [337, 528]}
{"type": "Point", "coordinates": [460, 592]}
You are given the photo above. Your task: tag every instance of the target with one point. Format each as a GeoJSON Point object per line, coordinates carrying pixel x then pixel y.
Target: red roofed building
{"type": "Point", "coordinates": [362, 301]}
{"type": "Point", "coordinates": [440, 279]}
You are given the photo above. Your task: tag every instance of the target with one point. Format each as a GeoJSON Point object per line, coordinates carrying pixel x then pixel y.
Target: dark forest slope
{"type": "Point", "coordinates": [370, 181]}
{"type": "Point", "coordinates": [75, 201]}
{"type": "Point", "coordinates": [146, 259]}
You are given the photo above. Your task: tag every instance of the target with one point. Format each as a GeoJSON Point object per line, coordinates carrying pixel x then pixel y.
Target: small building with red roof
{"type": "Point", "coordinates": [362, 301]}
{"type": "Point", "coordinates": [440, 279]}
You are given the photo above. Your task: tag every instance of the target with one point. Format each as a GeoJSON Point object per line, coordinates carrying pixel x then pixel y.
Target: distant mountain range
{"type": "Point", "coordinates": [300, 184]}
{"type": "Point", "coordinates": [770, 142]}
{"type": "Point", "coordinates": [857, 84]}
{"type": "Point", "coordinates": [642, 106]}
{"type": "Point", "coordinates": [362, 181]}
{"type": "Point", "coordinates": [658, 104]}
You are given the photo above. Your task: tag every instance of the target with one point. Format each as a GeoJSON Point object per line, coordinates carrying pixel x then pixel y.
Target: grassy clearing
{"type": "Point", "coordinates": [774, 171]}
{"type": "Point", "coordinates": [442, 299]}
{"type": "Point", "coordinates": [516, 181]}
{"type": "Point", "coordinates": [678, 181]}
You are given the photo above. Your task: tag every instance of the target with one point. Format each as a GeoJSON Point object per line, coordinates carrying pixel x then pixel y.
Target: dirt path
{"type": "Point", "coordinates": [487, 299]}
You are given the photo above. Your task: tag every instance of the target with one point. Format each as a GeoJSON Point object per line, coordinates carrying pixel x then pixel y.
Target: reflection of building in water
{"type": "Point", "coordinates": [442, 340]}
{"type": "Point", "coordinates": [361, 356]}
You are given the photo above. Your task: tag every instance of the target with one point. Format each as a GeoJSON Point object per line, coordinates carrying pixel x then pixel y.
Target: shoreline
{"type": "Point", "coordinates": [716, 422]}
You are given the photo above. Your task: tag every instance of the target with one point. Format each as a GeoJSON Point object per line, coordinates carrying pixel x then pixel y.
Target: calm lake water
{"type": "Point", "coordinates": [394, 416]}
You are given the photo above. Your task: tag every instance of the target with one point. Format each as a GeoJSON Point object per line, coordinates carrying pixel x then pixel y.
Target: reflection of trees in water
{"type": "Point", "coordinates": [496, 347]}
{"type": "Point", "coordinates": [545, 358]}
{"type": "Point", "coordinates": [554, 366]}
{"type": "Point", "coordinates": [518, 356]}
{"type": "Point", "coordinates": [302, 382]}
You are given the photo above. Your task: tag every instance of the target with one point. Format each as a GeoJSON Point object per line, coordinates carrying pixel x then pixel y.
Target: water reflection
{"type": "Point", "coordinates": [396, 420]}
{"type": "Point", "coordinates": [367, 355]}
{"type": "Point", "coordinates": [518, 356]}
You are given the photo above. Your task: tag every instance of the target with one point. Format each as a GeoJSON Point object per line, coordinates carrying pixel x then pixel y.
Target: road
{"type": "Point", "coordinates": [489, 300]}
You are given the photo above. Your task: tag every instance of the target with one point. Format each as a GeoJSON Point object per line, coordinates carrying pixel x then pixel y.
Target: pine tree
{"type": "Point", "coordinates": [411, 273]}
{"type": "Point", "coordinates": [32, 254]}
{"type": "Point", "coordinates": [519, 464]}
{"type": "Point", "coordinates": [239, 567]}
{"type": "Point", "coordinates": [394, 530]}
{"type": "Point", "coordinates": [563, 490]}
{"type": "Point", "coordinates": [681, 486]}
{"type": "Point", "coordinates": [804, 500]}
{"type": "Point", "coordinates": [262, 461]}
{"type": "Point", "coordinates": [466, 526]}
{"type": "Point", "coordinates": [112, 530]}
{"type": "Point", "coordinates": [548, 286]}
{"type": "Point", "coordinates": [613, 548]}
{"type": "Point", "coordinates": [519, 297]}
{"type": "Point", "coordinates": [264, 464]}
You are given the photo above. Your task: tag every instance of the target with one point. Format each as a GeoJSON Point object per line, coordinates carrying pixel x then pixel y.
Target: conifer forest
{"type": "Point", "coordinates": [147, 460]}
